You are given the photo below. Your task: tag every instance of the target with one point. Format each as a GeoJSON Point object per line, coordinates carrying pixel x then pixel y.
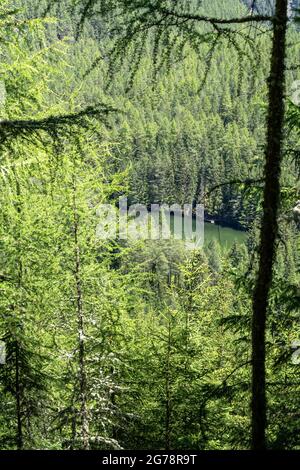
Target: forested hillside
{"type": "Point", "coordinates": [187, 128]}
{"type": "Point", "coordinates": [141, 344]}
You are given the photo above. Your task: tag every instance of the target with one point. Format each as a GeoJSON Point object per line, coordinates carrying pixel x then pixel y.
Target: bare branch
{"type": "Point", "coordinates": [216, 21]}
{"type": "Point", "coordinates": [248, 181]}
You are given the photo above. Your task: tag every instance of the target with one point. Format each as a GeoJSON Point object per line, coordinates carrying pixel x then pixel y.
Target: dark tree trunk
{"type": "Point", "coordinates": [269, 227]}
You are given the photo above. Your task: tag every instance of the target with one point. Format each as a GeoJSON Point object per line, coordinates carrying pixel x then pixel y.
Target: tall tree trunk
{"type": "Point", "coordinates": [168, 391]}
{"type": "Point", "coordinates": [18, 384]}
{"type": "Point", "coordinates": [80, 326]}
{"type": "Point", "coordinates": [269, 227]}
{"type": "Point", "coordinates": [18, 402]}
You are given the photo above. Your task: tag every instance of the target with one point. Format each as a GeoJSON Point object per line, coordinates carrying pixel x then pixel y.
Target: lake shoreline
{"type": "Point", "coordinates": [223, 222]}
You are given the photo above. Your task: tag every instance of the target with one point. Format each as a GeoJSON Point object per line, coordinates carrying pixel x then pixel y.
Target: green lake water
{"type": "Point", "coordinates": [173, 226]}
{"type": "Point", "coordinates": [224, 235]}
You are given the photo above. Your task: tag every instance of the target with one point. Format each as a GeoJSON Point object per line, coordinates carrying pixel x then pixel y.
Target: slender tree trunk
{"type": "Point", "coordinates": [80, 324]}
{"type": "Point", "coordinates": [269, 227]}
{"type": "Point", "coordinates": [114, 431]}
{"type": "Point", "coordinates": [17, 351]}
{"type": "Point", "coordinates": [18, 402]}
{"type": "Point", "coordinates": [168, 392]}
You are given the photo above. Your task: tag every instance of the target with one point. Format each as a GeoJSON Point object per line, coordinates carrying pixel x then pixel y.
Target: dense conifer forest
{"type": "Point", "coordinates": [114, 343]}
